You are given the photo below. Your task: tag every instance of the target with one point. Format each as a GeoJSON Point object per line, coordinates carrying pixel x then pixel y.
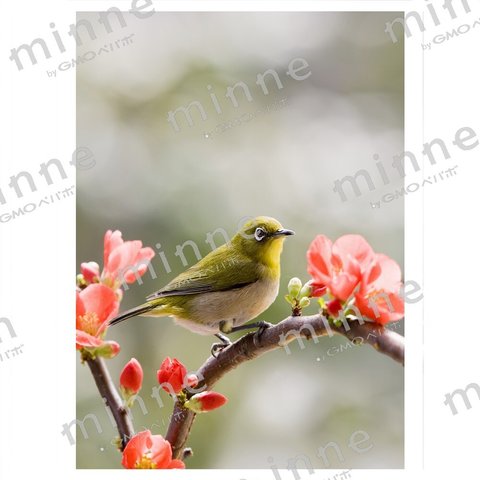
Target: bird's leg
{"type": "Point", "coordinates": [262, 326]}
{"type": "Point", "coordinates": [227, 327]}
{"type": "Point", "coordinates": [218, 347]}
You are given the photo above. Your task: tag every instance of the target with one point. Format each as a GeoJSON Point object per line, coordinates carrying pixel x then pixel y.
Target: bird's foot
{"type": "Point", "coordinates": [218, 347]}
{"type": "Point", "coordinates": [262, 326]}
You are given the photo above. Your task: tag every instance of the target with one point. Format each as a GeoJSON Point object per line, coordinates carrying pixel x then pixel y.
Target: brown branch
{"type": "Point", "coordinates": [112, 398]}
{"type": "Point", "coordinates": [279, 336]}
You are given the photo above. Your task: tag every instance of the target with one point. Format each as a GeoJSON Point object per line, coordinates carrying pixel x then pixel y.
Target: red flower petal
{"type": "Point", "coordinates": [99, 299]}
{"type": "Point", "coordinates": [381, 308]}
{"type": "Point", "coordinates": [354, 246]}
{"type": "Point", "coordinates": [111, 241]}
{"type": "Point", "coordinates": [139, 264]}
{"type": "Point", "coordinates": [135, 448]}
{"type": "Point", "coordinates": [371, 274]}
{"type": "Point", "coordinates": [343, 285]}
{"type": "Point", "coordinates": [85, 340]}
{"type": "Point", "coordinates": [161, 451]}
{"type": "Point", "coordinates": [334, 306]}
{"type": "Point", "coordinates": [390, 275]}
{"type": "Point", "coordinates": [176, 464]}
{"type": "Point", "coordinates": [318, 289]}
{"type": "Point", "coordinates": [379, 297]}
{"type": "Point", "coordinates": [319, 255]}
{"type": "Point", "coordinates": [80, 307]}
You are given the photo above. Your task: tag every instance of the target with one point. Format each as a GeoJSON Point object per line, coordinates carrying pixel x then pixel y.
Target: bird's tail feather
{"type": "Point", "coordinates": [145, 308]}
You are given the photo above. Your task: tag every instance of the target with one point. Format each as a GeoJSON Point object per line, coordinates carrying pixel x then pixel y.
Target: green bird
{"type": "Point", "coordinates": [232, 285]}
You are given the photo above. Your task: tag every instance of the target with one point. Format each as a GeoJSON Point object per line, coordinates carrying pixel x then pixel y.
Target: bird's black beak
{"type": "Point", "coordinates": [283, 232]}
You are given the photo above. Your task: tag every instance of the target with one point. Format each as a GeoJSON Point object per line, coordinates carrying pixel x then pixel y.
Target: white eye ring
{"type": "Point", "coordinates": [260, 234]}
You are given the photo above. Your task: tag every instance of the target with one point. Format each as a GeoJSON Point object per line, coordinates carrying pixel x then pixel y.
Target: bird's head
{"type": "Point", "coordinates": [262, 240]}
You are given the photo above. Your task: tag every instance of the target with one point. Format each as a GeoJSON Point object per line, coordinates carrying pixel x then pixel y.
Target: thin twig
{"type": "Point", "coordinates": [112, 398]}
{"type": "Point", "coordinates": [279, 336]}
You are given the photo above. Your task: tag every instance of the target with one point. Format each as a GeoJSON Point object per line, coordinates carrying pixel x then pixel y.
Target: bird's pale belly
{"type": "Point", "coordinates": [238, 306]}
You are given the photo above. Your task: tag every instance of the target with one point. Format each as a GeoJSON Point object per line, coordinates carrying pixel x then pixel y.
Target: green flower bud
{"type": "Point", "coordinates": [306, 290]}
{"type": "Point", "coordinates": [304, 302]}
{"type": "Point", "coordinates": [107, 350]}
{"type": "Point", "coordinates": [294, 287]}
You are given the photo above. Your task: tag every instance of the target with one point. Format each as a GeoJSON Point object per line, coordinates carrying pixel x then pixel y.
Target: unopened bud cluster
{"type": "Point", "coordinates": [298, 295]}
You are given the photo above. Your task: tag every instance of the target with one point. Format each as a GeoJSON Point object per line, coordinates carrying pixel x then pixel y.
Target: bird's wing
{"type": "Point", "coordinates": [222, 269]}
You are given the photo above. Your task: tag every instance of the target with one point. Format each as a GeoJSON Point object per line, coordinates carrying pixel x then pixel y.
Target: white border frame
{"type": "Point", "coordinates": [46, 108]}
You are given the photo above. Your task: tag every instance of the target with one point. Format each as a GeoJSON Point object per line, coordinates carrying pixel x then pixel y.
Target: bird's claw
{"type": "Point", "coordinates": [264, 326]}
{"type": "Point", "coordinates": [217, 348]}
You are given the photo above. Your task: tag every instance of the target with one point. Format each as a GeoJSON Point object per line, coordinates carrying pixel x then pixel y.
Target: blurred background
{"type": "Point", "coordinates": [278, 155]}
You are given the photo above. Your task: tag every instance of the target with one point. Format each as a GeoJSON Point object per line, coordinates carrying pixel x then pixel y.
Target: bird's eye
{"type": "Point", "coordinates": [260, 234]}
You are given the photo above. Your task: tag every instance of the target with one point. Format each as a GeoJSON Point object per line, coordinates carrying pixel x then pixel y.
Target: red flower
{"type": "Point", "coordinates": [131, 377]}
{"type": "Point", "coordinates": [379, 295]}
{"type": "Point", "coordinates": [96, 305]}
{"type": "Point", "coordinates": [206, 401]}
{"type": "Point", "coordinates": [123, 261]}
{"type": "Point", "coordinates": [339, 266]}
{"type": "Point", "coordinates": [145, 450]}
{"type": "Point", "coordinates": [351, 270]}
{"type": "Point", "coordinates": [171, 375]}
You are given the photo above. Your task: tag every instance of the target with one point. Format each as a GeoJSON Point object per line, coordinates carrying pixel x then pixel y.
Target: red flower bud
{"type": "Point", "coordinates": [90, 271]}
{"type": "Point", "coordinates": [171, 375]}
{"type": "Point", "coordinates": [318, 290]}
{"type": "Point", "coordinates": [191, 380]}
{"type": "Point", "coordinates": [107, 349]}
{"type": "Point", "coordinates": [206, 401]}
{"type": "Point", "coordinates": [334, 306]}
{"type": "Point", "coordinates": [131, 377]}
